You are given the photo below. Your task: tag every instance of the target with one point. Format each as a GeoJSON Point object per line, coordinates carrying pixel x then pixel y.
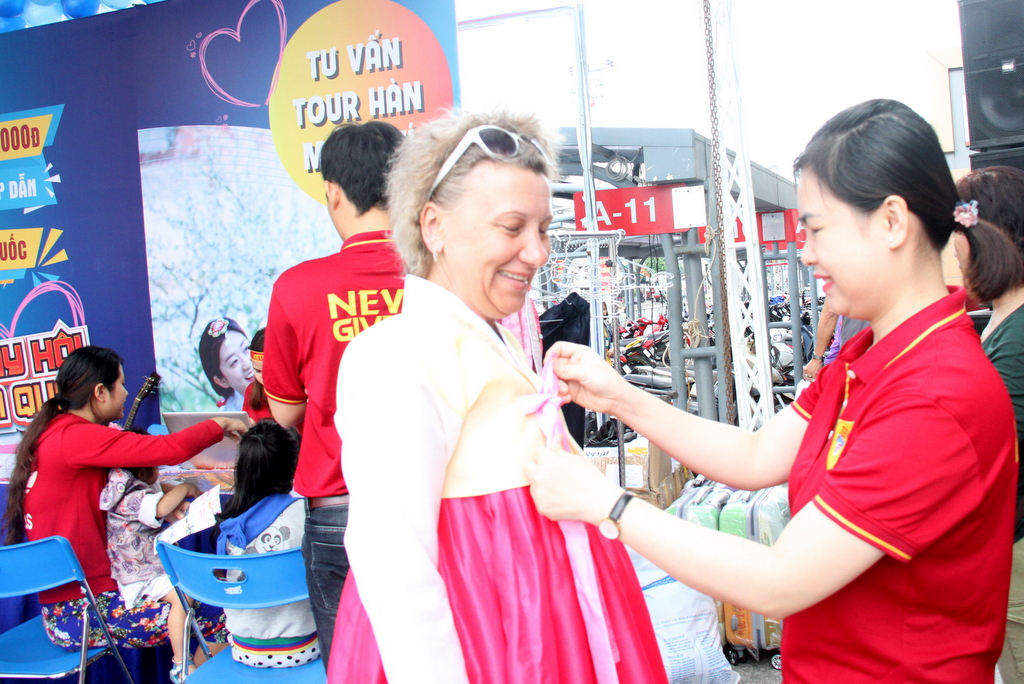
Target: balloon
{"type": "Point", "coordinates": [76, 9]}
{"type": "Point", "coordinates": [11, 24]}
{"type": "Point", "coordinates": [37, 15]}
{"type": "Point", "coordinates": [11, 8]}
{"type": "Point", "coordinates": [118, 4]}
{"type": "Point", "coordinates": [42, 2]}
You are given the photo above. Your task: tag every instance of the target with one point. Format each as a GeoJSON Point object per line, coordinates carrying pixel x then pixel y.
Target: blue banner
{"type": "Point", "coordinates": [176, 183]}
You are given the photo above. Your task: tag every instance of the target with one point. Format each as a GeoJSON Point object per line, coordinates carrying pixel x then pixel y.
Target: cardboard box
{"type": "Point", "coordinates": [647, 468]}
{"type": "Point", "coordinates": [636, 463]}
{"type": "Point", "coordinates": [651, 474]}
{"type": "Point", "coordinates": [670, 479]}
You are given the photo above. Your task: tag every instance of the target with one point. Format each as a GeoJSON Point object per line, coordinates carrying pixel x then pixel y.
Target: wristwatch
{"type": "Point", "coordinates": [609, 527]}
{"type": "Point", "coordinates": [816, 357]}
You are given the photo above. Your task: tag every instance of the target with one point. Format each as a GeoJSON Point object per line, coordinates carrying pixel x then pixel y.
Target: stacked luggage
{"type": "Point", "coordinates": [759, 515]}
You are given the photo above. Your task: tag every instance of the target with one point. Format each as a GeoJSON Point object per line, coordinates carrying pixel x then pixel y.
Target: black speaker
{"type": "Point", "coordinates": [992, 38]}
{"type": "Point", "coordinates": [1013, 156]}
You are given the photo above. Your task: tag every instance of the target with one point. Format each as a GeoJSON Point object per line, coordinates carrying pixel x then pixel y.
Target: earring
{"type": "Point", "coordinates": [435, 253]}
{"type": "Point", "coordinates": [892, 238]}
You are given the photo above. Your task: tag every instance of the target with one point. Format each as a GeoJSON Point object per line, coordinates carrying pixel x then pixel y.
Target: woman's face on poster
{"type": "Point", "coordinates": [235, 365]}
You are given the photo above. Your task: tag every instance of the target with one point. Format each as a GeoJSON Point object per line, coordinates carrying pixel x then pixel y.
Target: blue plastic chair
{"type": "Point", "coordinates": [270, 579]}
{"type": "Point", "coordinates": [25, 651]}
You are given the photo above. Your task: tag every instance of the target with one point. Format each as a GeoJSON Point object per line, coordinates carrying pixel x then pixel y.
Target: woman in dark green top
{"type": "Point", "coordinates": [999, 193]}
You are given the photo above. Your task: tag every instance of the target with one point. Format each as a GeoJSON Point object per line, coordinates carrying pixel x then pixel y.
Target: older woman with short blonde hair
{"type": "Point", "coordinates": [411, 183]}
{"type": "Point", "coordinates": [455, 576]}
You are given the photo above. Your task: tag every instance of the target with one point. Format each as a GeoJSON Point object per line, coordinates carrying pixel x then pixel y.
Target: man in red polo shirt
{"type": "Point", "coordinates": [316, 308]}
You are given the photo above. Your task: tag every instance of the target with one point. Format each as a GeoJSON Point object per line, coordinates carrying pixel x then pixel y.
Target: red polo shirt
{"type": "Point", "coordinates": [910, 446]}
{"type": "Point", "coordinates": [255, 415]}
{"type": "Point", "coordinates": [316, 308]}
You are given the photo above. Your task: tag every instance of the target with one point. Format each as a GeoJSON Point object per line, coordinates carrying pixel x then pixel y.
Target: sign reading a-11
{"type": "Point", "coordinates": [646, 210]}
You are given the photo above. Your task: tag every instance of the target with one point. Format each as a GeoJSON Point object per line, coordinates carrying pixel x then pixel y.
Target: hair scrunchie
{"type": "Point", "coordinates": [966, 213]}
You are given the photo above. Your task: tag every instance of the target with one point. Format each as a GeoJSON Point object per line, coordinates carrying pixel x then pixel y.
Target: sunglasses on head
{"type": "Point", "coordinates": [496, 142]}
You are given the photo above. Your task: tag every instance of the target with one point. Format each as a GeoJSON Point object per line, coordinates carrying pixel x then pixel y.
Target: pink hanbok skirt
{"type": "Point", "coordinates": [514, 600]}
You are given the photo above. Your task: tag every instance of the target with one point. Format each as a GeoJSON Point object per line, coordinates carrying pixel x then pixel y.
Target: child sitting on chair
{"type": "Point", "coordinates": [136, 507]}
{"type": "Point", "coordinates": [261, 517]}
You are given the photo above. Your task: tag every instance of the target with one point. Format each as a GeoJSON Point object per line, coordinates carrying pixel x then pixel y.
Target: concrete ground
{"type": "Point", "coordinates": [758, 672]}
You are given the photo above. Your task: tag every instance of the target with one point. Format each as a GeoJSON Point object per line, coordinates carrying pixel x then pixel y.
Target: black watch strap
{"type": "Point", "coordinates": [619, 507]}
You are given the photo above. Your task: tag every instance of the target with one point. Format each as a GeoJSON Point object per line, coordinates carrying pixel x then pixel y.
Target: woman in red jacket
{"type": "Point", "coordinates": [61, 467]}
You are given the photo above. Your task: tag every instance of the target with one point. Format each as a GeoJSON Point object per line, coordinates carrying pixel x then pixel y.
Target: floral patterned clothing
{"type": "Point", "coordinates": [132, 527]}
{"type": "Point", "coordinates": [140, 627]}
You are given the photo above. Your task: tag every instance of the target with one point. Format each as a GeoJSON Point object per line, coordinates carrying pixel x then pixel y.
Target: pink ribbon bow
{"type": "Point", "coordinates": [603, 652]}
{"type": "Point", "coordinates": [546, 404]}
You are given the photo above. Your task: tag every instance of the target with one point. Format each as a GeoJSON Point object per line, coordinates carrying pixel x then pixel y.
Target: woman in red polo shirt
{"type": "Point", "coordinates": [255, 402]}
{"type": "Point", "coordinates": [61, 468]}
{"type": "Point", "coordinates": [998, 193]}
{"type": "Point", "coordinates": [899, 457]}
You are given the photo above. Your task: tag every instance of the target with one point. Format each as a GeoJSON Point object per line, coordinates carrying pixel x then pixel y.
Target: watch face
{"type": "Point", "coordinates": [608, 528]}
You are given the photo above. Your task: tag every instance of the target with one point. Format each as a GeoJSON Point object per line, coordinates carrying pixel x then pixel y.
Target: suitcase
{"type": "Point", "coordinates": [760, 516]}
{"type": "Point", "coordinates": [706, 508]}
{"type": "Point", "coordinates": [769, 515]}
{"type": "Point", "coordinates": [700, 502]}
{"type": "Point", "coordinates": [739, 622]}
{"type": "Point", "coordinates": [691, 490]}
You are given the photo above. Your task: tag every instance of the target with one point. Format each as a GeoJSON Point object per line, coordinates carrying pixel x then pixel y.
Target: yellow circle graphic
{"type": "Point", "coordinates": [354, 61]}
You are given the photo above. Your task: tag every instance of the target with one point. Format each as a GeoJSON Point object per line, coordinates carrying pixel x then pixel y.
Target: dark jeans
{"type": "Point", "coordinates": [323, 550]}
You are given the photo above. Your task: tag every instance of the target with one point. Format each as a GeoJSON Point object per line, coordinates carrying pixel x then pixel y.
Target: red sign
{"type": "Point", "coordinates": [780, 228]}
{"type": "Point", "coordinates": [649, 210]}
{"type": "Point", "coordinates": [738, 235]}
{"type": "Point", "coordinates": [638, 211]}
{"type": "Point", "coordinates": [773, 227]}
{"type": "Point", "coordinates": [799, 232]}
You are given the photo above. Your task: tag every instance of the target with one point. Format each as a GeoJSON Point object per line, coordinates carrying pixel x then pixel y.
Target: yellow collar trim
{"type": "Point", "coordinates": [364, 242]}
{"type": "Point", "coordinates": [925, 334]}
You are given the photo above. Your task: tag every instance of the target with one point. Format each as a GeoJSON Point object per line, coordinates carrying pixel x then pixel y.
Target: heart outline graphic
{"type": "Point", "coordinates": [74, 301]}
{"type": "Point", "coordinates": [236, 34]}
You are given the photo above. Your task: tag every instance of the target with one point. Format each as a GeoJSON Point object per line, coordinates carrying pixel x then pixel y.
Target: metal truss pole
{"type": "Point", "coordinates": [747, 331]}
{"type": "Point", "coordinates": [585, 141]}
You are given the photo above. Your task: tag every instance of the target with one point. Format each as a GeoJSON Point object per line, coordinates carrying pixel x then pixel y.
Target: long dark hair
{"type": "Point", "coordinates": [78, 376]}
{"type": "Point", "coordinates": [267, 456]}
{"type": "Point", "coordinates": [258, 396]}
{"type": "Point", "coordinates": [882, 147]}
{"type": "Point", "coordinates": [999, 191]}
{"type": "Point", "coordinates": [210, 343]}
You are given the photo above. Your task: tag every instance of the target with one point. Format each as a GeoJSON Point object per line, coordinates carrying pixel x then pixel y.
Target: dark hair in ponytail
{"type": "Point", "coordinates": [258, 396]}
{"type": "Point", "coordinates": [78, 376]}
{"type": "Point", "coordinates": [999, 192]}
{"type": "Point", "coordinates": [267, 456]}
{"type": "Point", "coordinates": [881, 148]}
